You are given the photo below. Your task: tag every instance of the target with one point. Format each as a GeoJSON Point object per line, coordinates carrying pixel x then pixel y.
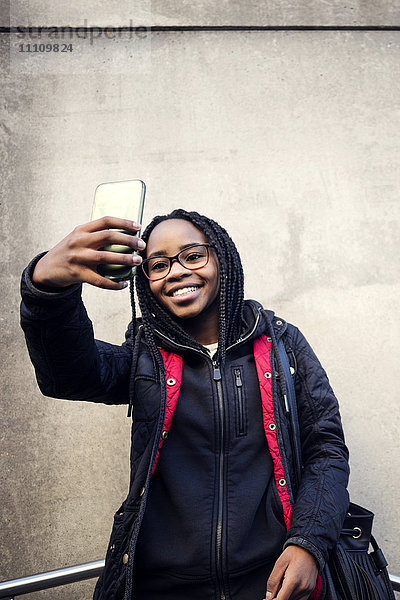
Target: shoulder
{"type": "Point", "coordinates": [292, 337]}
{"type": "Point", "coordinates": [280, 326]}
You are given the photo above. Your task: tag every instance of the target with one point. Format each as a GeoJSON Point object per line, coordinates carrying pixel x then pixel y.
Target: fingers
{"type": "Point", "coordinates": [274, 582]}
{"type": "Point", "coordinates": [86, 267]}
{"type": "Point", "coordinates": [108, 237]}
{"type": "Point", "coordinates": [94, 278]}
{"type": "Point", "coordinates": [294, 588]}
{"type": "Point", "coordinates": [118, 256]}
{"type": "Point", "coordinates": [109, 222]}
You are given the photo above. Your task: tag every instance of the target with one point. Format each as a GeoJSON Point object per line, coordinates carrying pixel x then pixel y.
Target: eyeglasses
{"type": "Point", "coordinates": [194, 257]}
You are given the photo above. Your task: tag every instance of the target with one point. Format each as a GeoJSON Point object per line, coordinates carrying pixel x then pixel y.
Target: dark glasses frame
{"type": "Point", "coordinates": [172, 259]}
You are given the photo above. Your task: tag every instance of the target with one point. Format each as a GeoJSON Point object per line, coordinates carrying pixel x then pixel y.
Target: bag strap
{"type": "Point", "coordinates": [291, 405]}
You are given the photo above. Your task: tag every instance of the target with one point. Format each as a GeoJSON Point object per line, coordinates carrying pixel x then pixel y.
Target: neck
{"type": "Point", "coordinates": [205, 327]}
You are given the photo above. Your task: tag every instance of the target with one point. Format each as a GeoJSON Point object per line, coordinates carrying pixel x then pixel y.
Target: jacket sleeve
{"type": "Point", "coordinates": [68, 361]}
{"type": "Point", "coordinates": [322, 498]}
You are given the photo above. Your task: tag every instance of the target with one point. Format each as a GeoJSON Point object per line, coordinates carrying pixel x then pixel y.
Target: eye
{"type": "Point", "coordinates": [158, 265]}
{"type": "Point", "coordinates": [195, 255]}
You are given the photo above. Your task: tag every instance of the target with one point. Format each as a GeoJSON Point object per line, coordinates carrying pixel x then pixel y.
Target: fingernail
{"type": "Point", "coordinates": [268, 596]}
{"type": "Point", "coordinates": [141, 244]}
{"type": "Point", "coordinates": [123, 284]}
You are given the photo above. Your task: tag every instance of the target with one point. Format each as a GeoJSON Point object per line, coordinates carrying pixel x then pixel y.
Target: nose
{"type": "Point", "coordinates": [177, 270]}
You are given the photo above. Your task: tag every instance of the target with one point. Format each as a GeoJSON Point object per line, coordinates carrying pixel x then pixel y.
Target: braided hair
{"type": "Point", "coordinates": [231, 295]}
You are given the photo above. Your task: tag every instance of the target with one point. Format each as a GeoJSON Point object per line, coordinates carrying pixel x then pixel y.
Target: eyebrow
{"type": "Point", "coordinates": [164, 252]}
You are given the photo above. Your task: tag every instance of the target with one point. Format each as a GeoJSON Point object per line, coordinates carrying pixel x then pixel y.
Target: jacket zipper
{"type": "Point", "coordinates": [240, 406]}
{"type": "Point", "coordinates": [217, 379]}
{"type": "Point", "coordinates": [220, 579]}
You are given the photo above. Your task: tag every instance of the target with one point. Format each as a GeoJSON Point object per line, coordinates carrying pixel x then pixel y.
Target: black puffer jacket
{"type": "Point", "coordinates": [70, 364]}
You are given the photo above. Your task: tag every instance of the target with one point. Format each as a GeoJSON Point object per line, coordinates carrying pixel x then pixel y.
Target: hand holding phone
{"type": "Point", "coordinates": [77, 257]}
{"type": "Point", "coordinates": [123, 199]}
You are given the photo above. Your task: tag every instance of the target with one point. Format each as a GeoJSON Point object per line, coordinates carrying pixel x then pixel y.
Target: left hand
{"type": "Point", "coordinates": [294, 575]}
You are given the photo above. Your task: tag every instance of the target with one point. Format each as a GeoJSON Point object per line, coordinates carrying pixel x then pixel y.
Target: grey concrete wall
{"type": "Point", "coordinates": [290, 140]}
{"type": "Point", "coordinates": [207, 12]}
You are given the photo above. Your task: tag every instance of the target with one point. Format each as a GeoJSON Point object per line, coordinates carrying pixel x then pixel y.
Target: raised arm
{"type": "Point", "coordinates": [69, 363]}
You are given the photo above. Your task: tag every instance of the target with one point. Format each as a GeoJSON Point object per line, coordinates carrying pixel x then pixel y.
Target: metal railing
{"type": "Point", "coordinates": [395, 581]}
{"type": "Point", "coordinates": [42, 581]}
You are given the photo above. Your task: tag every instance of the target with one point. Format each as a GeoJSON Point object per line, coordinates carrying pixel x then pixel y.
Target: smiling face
{"type": "Point", "coordinates": [188, 295]}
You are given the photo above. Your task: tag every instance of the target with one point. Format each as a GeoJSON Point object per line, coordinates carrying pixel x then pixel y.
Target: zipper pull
{"type": "Point", "coordinates": [287, 409]}
{"type": "Point", "coordinates": [217, 372]}
{"type": "Point", "coordinates": [130, 408]}
{"type": "Point", "coordinates": [238, 378]}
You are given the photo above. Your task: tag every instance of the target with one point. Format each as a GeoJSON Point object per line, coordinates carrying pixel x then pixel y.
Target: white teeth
{"type": "Point", "coordinates": [184, 291]}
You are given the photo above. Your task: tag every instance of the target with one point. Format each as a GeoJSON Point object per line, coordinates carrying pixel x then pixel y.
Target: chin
{"type": "Point", "coordinates": [184, 316]}
{"type": "Point", "coordinates": [185, 312]}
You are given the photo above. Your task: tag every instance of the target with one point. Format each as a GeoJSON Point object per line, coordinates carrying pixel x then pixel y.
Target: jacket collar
{"type": "Point", "coordinates": [267, 321]}
{"type": "Point", "coordinates": [256, 322]}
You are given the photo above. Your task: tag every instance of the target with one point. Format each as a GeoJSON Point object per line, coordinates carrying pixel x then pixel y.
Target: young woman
{"type": "Point", "coordinates": [213, 512]}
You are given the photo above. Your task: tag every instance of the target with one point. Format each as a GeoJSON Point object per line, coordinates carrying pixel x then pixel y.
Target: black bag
{"type": "Point", "coordinates": [352, 572]}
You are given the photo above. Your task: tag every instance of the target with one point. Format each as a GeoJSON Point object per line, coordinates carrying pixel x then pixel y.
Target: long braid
{"type": "Point", "coordinates": [135, 346]}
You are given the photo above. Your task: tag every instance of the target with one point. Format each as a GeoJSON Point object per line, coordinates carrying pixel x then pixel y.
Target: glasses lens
{"type": "Point", "coordinates": [195, 257]}
{"type": "Point", "coordinates": [156, 268]}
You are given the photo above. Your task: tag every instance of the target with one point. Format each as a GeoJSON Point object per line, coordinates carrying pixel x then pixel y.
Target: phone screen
{"type": "Point", "coordinates": [123, 199]}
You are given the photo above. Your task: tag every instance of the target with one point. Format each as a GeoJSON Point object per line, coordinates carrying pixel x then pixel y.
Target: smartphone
{"type": "Point", "coordinates": [123, 199]}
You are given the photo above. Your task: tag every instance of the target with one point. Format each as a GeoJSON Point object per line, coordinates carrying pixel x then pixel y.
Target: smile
{"type": "Point", "coordinates": [185, 290]}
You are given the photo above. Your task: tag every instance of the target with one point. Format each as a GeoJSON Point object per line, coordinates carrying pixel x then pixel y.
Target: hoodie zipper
{"type": "Point", "coordinates": [221, 463]}
{"type": "Point", "coordinates": [221, 486]}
